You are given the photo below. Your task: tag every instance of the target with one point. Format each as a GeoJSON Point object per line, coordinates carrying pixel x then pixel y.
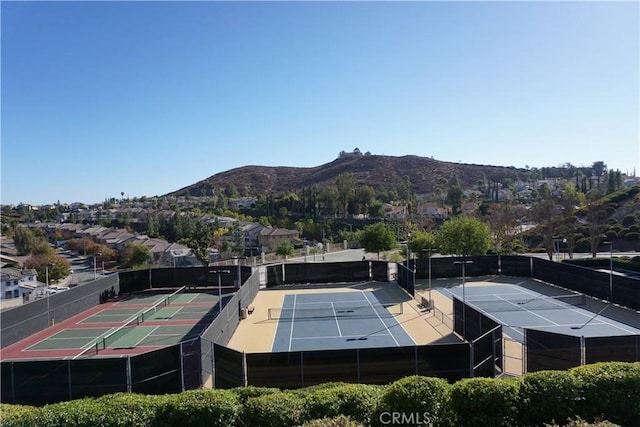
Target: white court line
{"type": "Point", "coordinates": [581, 312]}
{"type": "Point", "coordinates": [335, 317]}
{"type": "Point", "coordinates": [525, 309]}
{"type": "Point", "coordinates": [293, 315]}
{"type": "Point", "coordinates": [381, 321]}
{"type": "Point", "coordinates": [365, 301]}
{"type": "Point", "coordinates": [145, 337]}
{"type": "Point", "coordinates": [342, 336]}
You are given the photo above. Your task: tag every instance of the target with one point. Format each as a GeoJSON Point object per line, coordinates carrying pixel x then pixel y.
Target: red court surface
{"type": "Point", "coordinates": [85, 329]}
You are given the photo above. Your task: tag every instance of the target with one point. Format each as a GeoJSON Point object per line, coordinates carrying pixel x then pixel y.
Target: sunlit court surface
{"type": "Point", "coordinates": [526, 304]}
{"type": "Point", "coordinates": [130, 325]}
{"type": "Point", "coordinates": [337, 320]}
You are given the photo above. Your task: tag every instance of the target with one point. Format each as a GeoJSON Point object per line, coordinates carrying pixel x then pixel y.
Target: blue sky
{"type": "Point", "coordinates": [148, 97]}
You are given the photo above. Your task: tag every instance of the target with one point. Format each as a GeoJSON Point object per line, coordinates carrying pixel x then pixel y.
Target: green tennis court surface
{"type": "Point", "coordinates": [138, 327]}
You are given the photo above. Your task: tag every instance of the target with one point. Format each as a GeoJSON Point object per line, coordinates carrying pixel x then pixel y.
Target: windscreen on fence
{"type": "Point", "coordinates": [326, 272]}
{"type": "Point", "coordinates": [487, 353]}
{"type": "Point", "coordinates": [249, 290]}
{"type": "Point", "coordinates": [366, 365]}
{"type": "Point", "coordinates": [624, 348]}
{"type": "Point", "coordinates": [449, 361]}
{"type": "Point", "coordinates": [470, 323]}
{"type": "Point", "coordinates": [551, 351]}
{"type": "Point", "coordinates": [36, 382]}
{"type": "Point", "coordinates": [599, 284]}
{"type": "Point", "coordinates": [385, 365]}
{"type": "Point", "coordinates": [229, 367]}
{"type": "Point", "coordinates": [281, 370]}
{"type": "Point", "coordinates": [157, 371]}
{"type": "Point", "coordinates": [329, 366]}
{"type": "Point", "coordinates": [406, 277]}
{"type": "Point", "coordinates": [190, 364]}
{"type": "Point", "coordinates": [515, 266]}
{"type": "Point", "coordinates": [380, 270]}
{"type": "Point", "coordinates": [134, 281]}
{"type": "Point", "coordinates": [97, 377]}
{"type": "Point", "coordinates": [275, 275]}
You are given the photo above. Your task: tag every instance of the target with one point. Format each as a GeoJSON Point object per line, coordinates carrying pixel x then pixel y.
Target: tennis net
{"type": "Point", "coordinates": [370, 310]}
{"type": "Point", "coordinates": [147, 313]}
{"type": "Point", "coordinates": [542, 302]}
{"type": "Point", "coordinates": [111, 337]}
{"type": "Point", "coordinates": [174, 296]}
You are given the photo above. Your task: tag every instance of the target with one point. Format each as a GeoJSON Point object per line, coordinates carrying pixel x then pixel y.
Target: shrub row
{"type": "Point", "coordinates": [603, 391]}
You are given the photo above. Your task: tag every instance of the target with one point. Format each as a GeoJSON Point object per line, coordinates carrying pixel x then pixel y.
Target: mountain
{"type": "Point", "coordinates": [379, 172]}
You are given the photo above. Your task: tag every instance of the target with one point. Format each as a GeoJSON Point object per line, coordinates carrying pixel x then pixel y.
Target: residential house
{"type": "Point", "coordinates": [432, 209]}
{"type": "Point", "coordinates": [16, 283]}
{"type": "Point", "coordinates": [270, 237]}
{"type": "Point", "coordinates": [395, 212]}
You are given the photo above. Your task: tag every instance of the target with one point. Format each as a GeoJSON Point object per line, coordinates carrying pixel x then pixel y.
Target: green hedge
{"type": "Point", "coordinates": [603, 391]}
{"type": "Point", "coordinates": [484, 402]}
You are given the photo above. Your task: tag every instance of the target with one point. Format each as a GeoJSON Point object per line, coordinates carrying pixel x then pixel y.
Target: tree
{"type": "Point", "coordinates": [377, 237]}
{"type": "Point", "coordinates": [454, 197]}
{"type": "Point", "coordinates": [137, 255]}
{"type": "Point", "coordinates": [364, 197]}
{"type": "Point", "coordinates": [328, 200]}
{"type": "Point", "coordinates": [421, 243]}
{"type": "Point", "coordinates": [201, 240]}
{"type": "Point", "coordinates": [502, 220]}
{"type": "Point", "coordinates": [345, 183]}
{"type": "Point", "coordinates": [285, 248]}
{"type": "Point", "coordinates": [599, 169]}
{"type": "Point", "coordinates": [58, 267]}
{"type": "Point", "coordinates": [464, 236]}
{"type": "Point", "coordinates": [24, 240]}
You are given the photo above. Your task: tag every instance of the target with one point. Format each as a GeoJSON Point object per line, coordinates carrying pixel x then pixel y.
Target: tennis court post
{"type": "Point", "coordinates": [219, 273]}
{"type": "Point", "coordinates": [464, 300]}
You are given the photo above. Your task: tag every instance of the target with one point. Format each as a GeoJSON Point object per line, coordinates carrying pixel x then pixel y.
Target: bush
{"type": "Point", "coordinates": [16, 415]}
{"type": "Point", "coordinates": [547, 396]}
{"type": "Point", "coordinates": [274, 410]}
{"type": "Point", "coordinates": [609, 391]}
{"type": "Point", "coordinates": [484, 402]}
{"type": "Point", "coordinates": [245, 393]}
{"type": "Point", "coordinates": [358, 401]}
{"type": "Point", "coordinates": [130, 409]}
{"type": "Point", "coordinates": [416, 396]}
{"type": "Point", "coordinates": [340, 421]}
{"type": "Point", "coordinates": [205, 408]}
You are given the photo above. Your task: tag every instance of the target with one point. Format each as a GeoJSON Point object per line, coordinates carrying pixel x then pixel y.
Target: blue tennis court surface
{"type": "Point", "coordinates": [516, 307]}
{"type": "Point", "coordinates": [337, 321]}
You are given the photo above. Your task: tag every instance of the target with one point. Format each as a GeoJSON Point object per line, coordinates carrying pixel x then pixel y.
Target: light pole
{"type": "Point", "coordinates": [238, 258]}
{"type": "Point", "coordinates": [95, 266]}
{"type": "Point", "coordinates": [464, 299]}
{"type": "Point", "coordinates": [610, 243]}
{"type": "Point", "coordinates": [46, 274]}
{"type": "Point", "coordinates": [219, 273]}
{"type": "Point", "coordinates": [429, 255]}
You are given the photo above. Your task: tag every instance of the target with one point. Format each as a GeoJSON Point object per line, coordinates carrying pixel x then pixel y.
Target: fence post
{"type": "Point", "coordinates": [182, 366]}
{"type": "Point", "coordinates": [129, 385]}
{"type": "Point", "coordinates": [358, 364]}
{"type": "Point", "coordinates": [245, 377]}
{"type": "Point", "coordinates": [470, 359]}
{"type": "Point", "coordinates": [69, 379]}
{"type": "Point", "coordinates": [302, 369]}
{"type": "Point", "coordinates": [583, 352]}
{"type": "Point", "coordinates": [524, 351]}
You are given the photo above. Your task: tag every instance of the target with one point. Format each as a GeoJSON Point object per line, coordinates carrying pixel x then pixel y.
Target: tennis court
{"type": "Point", "coordinates": [325, 321]}
{"type": "Point", "coordinates": [517, 307]}
{"type": "Point", "coordinates": [130, 326]}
